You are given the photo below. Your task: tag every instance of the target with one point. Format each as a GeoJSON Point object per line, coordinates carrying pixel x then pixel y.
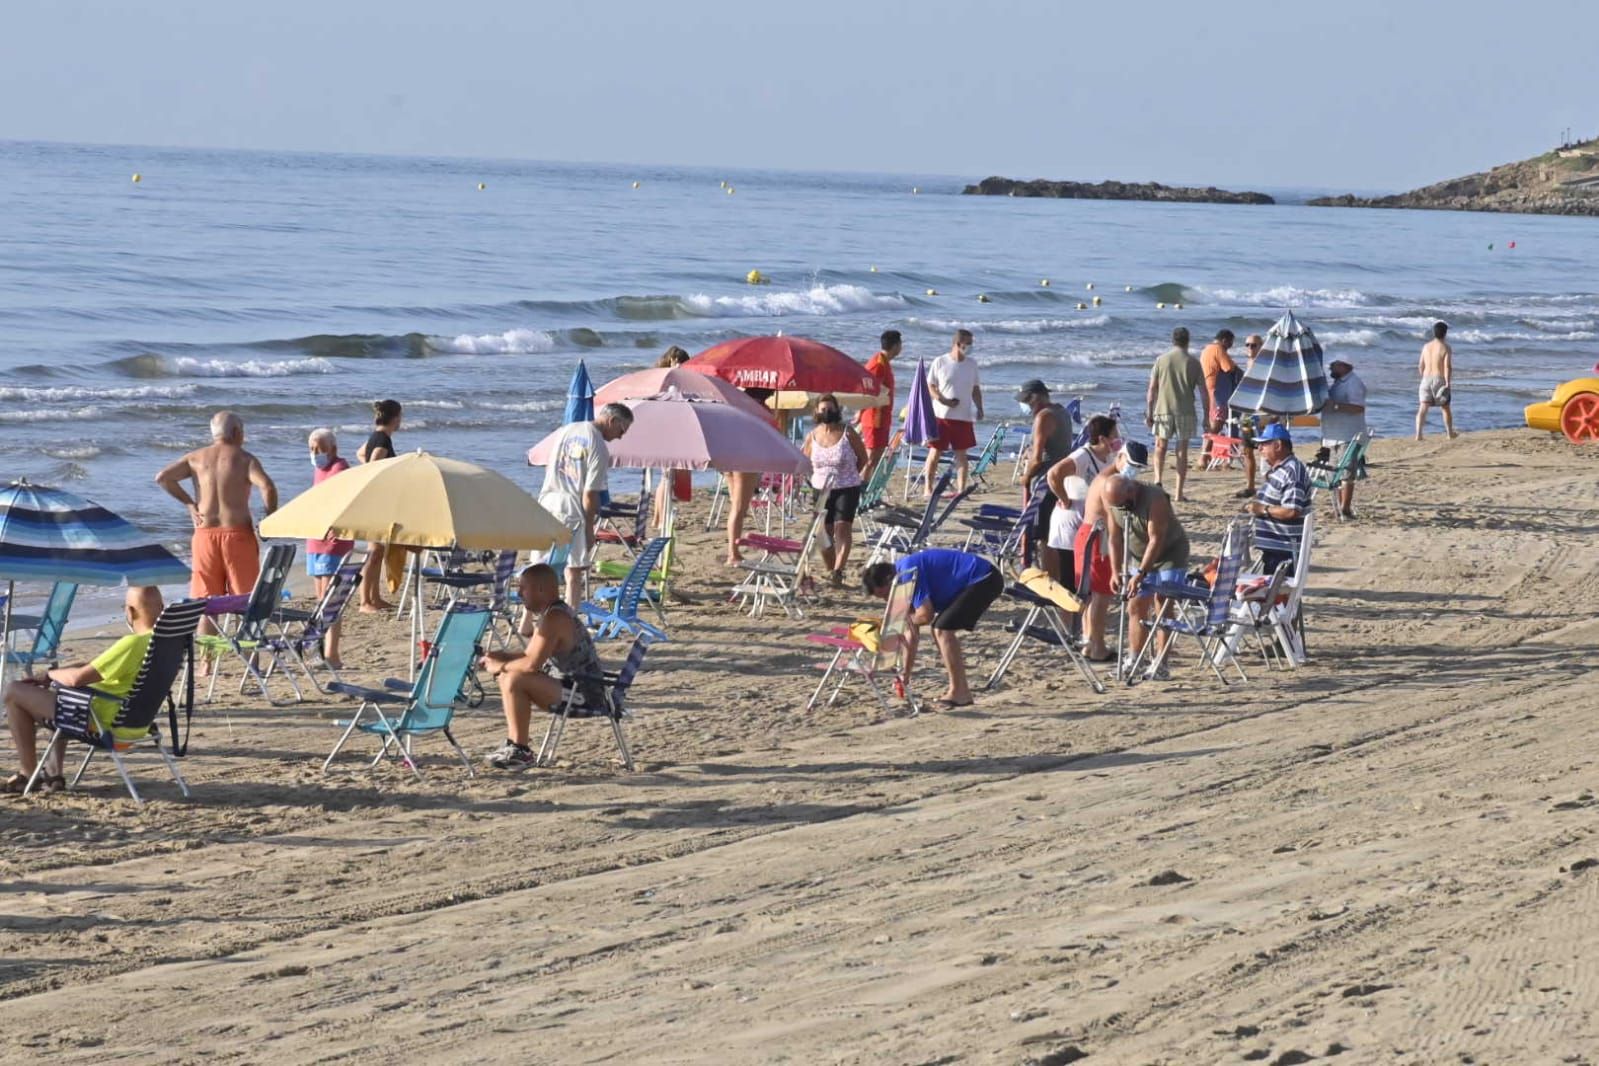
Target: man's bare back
{"type": "Point", "coordinates": [1094, 502]}
{"type": "Point", "coordinates": [222, 475]}
{"type": "Point", "coordinates": [1437, 360]}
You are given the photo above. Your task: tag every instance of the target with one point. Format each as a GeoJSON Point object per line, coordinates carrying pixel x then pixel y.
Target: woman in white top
{"type": "Point", "coordinates": [1085, 463]}
{"type": "Point", "coordinates": [837, 454]}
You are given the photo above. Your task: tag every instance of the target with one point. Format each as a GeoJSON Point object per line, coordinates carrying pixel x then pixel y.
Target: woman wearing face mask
{"type": "Point", "coordinates": [322, 557]}
{"type": "Point", "coordinates": [837, 454]}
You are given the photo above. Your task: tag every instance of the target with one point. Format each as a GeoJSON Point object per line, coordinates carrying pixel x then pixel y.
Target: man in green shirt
{"type": "Point", "coordinates": [1169, 405]}
{"type": "Point", "coordinates": [30, 702]}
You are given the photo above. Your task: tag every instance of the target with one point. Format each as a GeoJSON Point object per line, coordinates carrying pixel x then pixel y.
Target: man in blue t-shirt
{"type": "Point", "coordinates": [953, 589]}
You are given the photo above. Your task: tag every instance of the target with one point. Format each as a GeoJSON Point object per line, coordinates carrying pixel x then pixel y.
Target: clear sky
{"type": "Point", "coordinates": [1364, 94]}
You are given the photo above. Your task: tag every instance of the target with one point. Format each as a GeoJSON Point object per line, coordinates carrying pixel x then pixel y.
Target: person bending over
{"type": "Point", "coordinates": [559, 658]}
{"type": "Point", "coordinates": [953, 590]}
{"type": "Point", "coordinates": [30, 703]}
{"type": "Point", "coordinates": [1157, 548]}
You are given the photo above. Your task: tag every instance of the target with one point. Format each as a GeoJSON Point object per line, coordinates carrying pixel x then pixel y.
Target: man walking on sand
{"type": "Point", "coordinates": [1437, 368]}
{"type": "Point", "coordinates": [877, 423]}
{"type": "Point", "coordinates": [958, 405]}
{"type": "Point", "coordinates": [1169, 405]}
{"type": "Point", "coordinates": [227, 556]}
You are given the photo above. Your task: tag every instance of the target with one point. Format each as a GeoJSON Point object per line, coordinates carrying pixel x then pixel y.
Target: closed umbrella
{"type": "Point", "coordinates": [579, 396]}
{"type": "Point", "coordinates": [48, 534]}
{"type": "Point", "coordinates": [784, 363]}
{"type": "Point", "coordinates": [1287, 378]}
{"type": "Point", "coordinates": [921, 423]}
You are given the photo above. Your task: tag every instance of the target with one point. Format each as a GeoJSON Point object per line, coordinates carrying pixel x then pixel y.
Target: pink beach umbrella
{"type": "Point", "coordinates": [672, 431]}
{"type": "Point", "coordinates": [690, 384]}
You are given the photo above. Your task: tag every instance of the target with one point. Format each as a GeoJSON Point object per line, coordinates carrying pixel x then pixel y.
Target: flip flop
{"type": "Point", "coordinates": [952, 704]}
{"type": "Point", "coordinates": [13, 785]}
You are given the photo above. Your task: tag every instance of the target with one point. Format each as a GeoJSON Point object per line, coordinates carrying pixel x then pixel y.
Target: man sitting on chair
{"type": "Point", "coordinates": [953, 590]}
{"type": "Point", "coordinates": [30, 702]}
{"type": "Point", "coordinates": [559, 649]}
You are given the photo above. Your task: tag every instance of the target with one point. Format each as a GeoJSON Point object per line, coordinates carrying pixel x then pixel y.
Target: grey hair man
{"type": "Point", "coordinates": [575, 478]}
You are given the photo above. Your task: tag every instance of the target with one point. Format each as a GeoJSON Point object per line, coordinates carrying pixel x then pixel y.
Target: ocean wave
{"type": "Point", "coordinates": [78, 453]}
{"type": "Point", "coordinates": [1473, 335]}
{"type": "Point", "coordinates": [511, 342]}
{"type": "Point", "coordinates": [1354, 338]}
{"type": "Point", "coordinates": [150, 365]}
{"type": "Point", "coordinates": [1012, 325]}
{"type": "Point", "coordinates": [1290, 296]}
{"type": "Point", "coordinates": [527, 407]}
{"type": "Point", "coordinates": [819, 300]}
{"type": "Point", "coordinates": [52, 414]}
{"type": "Point", "coordinates": [1039, 360]}
{"type": "Point", "coordinates": [82, 393]}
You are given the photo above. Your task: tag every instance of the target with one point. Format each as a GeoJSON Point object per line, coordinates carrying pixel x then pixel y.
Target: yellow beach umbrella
{"type": "Point", "coordinates": [800, 400]}
{"type": "Point", "coordinates": [420, 501]}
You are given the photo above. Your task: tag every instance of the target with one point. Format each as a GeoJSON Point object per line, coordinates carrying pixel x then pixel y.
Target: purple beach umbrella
{"type": "Point", "coordinates": [921, 424]}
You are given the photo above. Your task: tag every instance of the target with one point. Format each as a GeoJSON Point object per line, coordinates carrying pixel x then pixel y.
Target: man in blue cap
{"type": "Point", "coordinates": [1283, 501]}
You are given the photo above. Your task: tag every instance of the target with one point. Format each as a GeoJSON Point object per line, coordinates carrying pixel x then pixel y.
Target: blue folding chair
{"type": "Point", "coordinates": [619, 616]}
{"type": "Point", "coordinates": [428, 703]}
{"type": "Point", "coordinates": [47, 634]}
{"type": "Point", "coordinates": [249, 636]}
{"type": "Point", "coordinates": [1199, 611]}
{"type": "Point", "coordinates": [614, 686]}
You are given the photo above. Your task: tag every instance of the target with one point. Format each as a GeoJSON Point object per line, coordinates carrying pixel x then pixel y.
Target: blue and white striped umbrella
{"type": "Point", "coordinates": [1287, 377]}
{"type": "Point", "coordinates": [50, 535]}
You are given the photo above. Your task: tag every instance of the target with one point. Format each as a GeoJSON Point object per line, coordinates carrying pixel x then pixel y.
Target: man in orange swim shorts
{"type": "Point", "coordinates": [227, 557]}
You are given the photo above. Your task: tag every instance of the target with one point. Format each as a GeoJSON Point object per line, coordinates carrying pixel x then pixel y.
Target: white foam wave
{"type": "Point", "coordinates": [81, 393]}
{"type": "Point", "coordinates": [437, 405]}
{"type": "Point", "coordinates": [72, 452]}
{"type": "Point", "coordinates": [1353, 338]}
{"type": "Point", "coordinates": [511, 342]}
{"type": "Point", "coordinates": [249, 368]}
{"type": "Point", "coordinates": [1014, 325]}
{"type": "Point", "coordinates": [1491, 336]}
{"type": "Point", "coordinates": [820, 300]}
{"type": "Point", "coordinates": [528, 407]}
{"type": "Point", "coordinates": [52, 414]}
{"type": "Point", "coordinates": [1039, 360]}
{"type": "Point", "coordinates": [1290, 296]}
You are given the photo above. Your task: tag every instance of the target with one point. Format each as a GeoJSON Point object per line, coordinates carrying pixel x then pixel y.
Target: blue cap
{"type": "Point", "coordinates": [1275, 431]}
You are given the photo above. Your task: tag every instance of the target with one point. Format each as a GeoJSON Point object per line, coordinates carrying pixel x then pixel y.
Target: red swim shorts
{"type": "Point", "coordinates": [954, 436]}
{"type": "Point", "coordinates": [876, 436]}
{"type": "Point", "coordinates": [1099, 572]}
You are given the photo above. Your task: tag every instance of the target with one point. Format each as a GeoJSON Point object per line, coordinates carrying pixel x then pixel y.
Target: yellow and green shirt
{"type": "Point", "coordinates": [118, 667]}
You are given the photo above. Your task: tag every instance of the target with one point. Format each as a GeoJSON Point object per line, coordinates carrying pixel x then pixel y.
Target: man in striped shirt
{"type": "Point", "coordinates": [1283, 501]}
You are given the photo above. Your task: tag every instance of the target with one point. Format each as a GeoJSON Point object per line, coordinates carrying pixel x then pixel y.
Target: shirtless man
{"type": "Point", "coordinates": [1437, 368]}
{"type": "Point", "coordinates": [227, 559]}
{"type": "Point", "coordinates": [1131, 461]}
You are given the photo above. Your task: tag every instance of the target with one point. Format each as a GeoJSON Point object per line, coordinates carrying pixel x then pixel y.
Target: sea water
{"type": "Point", "coordinates": [297, 288]}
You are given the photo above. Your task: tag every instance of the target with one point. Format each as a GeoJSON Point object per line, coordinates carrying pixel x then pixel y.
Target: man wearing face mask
{"type": "Point", "coordinates": [958, 405]}
{"type": "Point", "coordinates": [1052, 440]}
{"type": "Point", "coordinates": [323, 557]}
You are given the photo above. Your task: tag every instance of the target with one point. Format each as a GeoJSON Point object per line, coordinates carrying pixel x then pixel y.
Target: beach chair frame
{"type": "Point", "coordinates": [287, 649]}
{"type": "Point", "coordinates": [46, 635]}
{"type": "Point", "coordinates": [1209, 631]}
{"type": "Point", "coordinates": [614, 686]}
{"type": "Point", "coordinates": [771, 580]}
{"type": "Point", "coordinates": [619, 615]}
{"type": "Point", "coordinates": [250, 634]}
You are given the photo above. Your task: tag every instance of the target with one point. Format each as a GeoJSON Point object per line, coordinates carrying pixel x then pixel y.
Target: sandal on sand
{"type": "Point", "coordinates": [13, 785]}
{"type": "Point", "coordinates": [954, 703]}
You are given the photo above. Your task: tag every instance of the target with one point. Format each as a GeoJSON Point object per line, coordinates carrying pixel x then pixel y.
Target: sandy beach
{"type": "Point", "coordinates": [1388, 855]}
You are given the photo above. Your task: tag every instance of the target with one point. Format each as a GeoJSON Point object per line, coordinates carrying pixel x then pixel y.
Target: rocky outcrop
{"type": "Point", "coordinates": [1562, 182]}
{"type": "Point", "coordinates": [1113, 190]}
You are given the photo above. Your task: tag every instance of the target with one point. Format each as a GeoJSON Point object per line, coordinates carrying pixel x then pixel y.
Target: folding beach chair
{"type": "Point", "coordinates": [46, 633]}
{"type": "Point", "coordinates": [854, 655]}
{"type": "Point", "coordinates": [901, 531]}
{"type": "Point", "coordinates": [1045, 599]}
{"type": "Point", "coordinates": [608, 530]}
{"type": "Point", "coordinates": [171, 647]}
{"type": "Point", "coordinates": [1223, 452]}
{"type": "Point", "coordinates": [1350, 465]}
{"type": "Point", "coordinates": [874, 495]}
{"type": "Point", "coordinates": [780, 575]}
{"type": "Point", "coordinates": [303, 646]}
{"type": "Point", "coordinates": [1287, 613]}
{"type": "Point", "coordinates": [1252, 614]}
{"type": "Point", "coordinates": [618, 613]}
{"type": "Point", "coordinates": [614, 686]}
{"type": "Point", "coordinates": [428, 703]}
{"type": "Point", "coordinates": [978, 474]}
{"type": "Point", "coordinates": [1002, 534]}
{"type": "Point", "coordinates": [256, 613]}
{"type": "Point", "coordinates": [1198, 611]}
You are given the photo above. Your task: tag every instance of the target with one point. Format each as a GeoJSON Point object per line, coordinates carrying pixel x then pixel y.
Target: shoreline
{"type": "Point", "coordinates": [1357, 840]}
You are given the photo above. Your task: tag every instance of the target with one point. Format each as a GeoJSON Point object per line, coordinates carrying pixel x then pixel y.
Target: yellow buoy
{"type": "Point", "coordinates": [874, 270]}
{"type": "Point", "coordinates": [730, 190]}
{"type": "Point", "coordinates": [1178, 307]}
{"type": "Point", "coordinates": [1081, 306]}
{"type": "Point", "coordinates": [1090, 286]}
{"type": "Point", "coordinates": [137, 177]}
{"type": "Point", "coordinates": [1129, 288]}
{"type": "Point", "coordinates": [1096, 301]}
{"type": "Point", "coordinates": [635, 185]}
{"type": "Point", "coordinates": [1160, 307]}
{"type": "Point", "coordinates": [481, 186]}
{"type": "Point", "coordinates": [755, 277]}
{"type": "Point", "coordinates": [1044, 282]}
{"type": "Point", "coordinates": [982, 297]}
{"type": "Point", "coordinates": [932, 292]}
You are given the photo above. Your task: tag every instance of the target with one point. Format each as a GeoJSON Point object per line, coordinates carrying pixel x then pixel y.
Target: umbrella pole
{"type": "Point", "coordinates": [416, 608]}
{"type": "Point", "coordinates": [5, 636]}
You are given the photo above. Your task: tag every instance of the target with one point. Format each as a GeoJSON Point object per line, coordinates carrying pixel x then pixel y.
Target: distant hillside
{"type": "Point", "coordinates": [1112, 190]}
{"type": "Point", "coordinates": [1562, 182]}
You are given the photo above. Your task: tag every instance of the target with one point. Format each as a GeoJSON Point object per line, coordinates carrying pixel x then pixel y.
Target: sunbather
{"type": "Point", "coordinates": [953, 590]}
{"type": "Point", "coordinates": [30, 702]}
{"type": "Point", "coordinates": [559, 658]}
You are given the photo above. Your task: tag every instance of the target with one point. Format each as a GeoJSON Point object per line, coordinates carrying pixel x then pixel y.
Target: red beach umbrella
{"type": "Point", "coordinates": [784, 363]}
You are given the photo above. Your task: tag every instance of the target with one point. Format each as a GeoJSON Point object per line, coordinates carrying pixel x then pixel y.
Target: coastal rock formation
{"type": "Point", "coordinates": [1562, 182]}
{"type": "Point", "coordinates": [1113, 190]}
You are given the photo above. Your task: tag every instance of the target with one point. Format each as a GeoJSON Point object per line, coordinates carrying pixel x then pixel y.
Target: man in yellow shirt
{"type": "Point", "coordinates": [30, 702]}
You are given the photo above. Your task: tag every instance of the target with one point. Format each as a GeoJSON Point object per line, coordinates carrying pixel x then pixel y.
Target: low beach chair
{"type": "Point", "coordinates": [256, 613]}
{"type": "Point", "coordinates": [1198, 611]}
{"type": "Point", "coordinates": [898, 527]}
{"type": "Point", "coordinates": [1003, 534]}
{"type": "Point", "coordinates": [856, 651]}
{"type": "Point", "coordinates": [303, 646]}
{"type": "Point", "coordinates": [170, 649]}
{"type": "Point", "coordinates": [1223, 452]}
{"type": "Point", "coordinates": [874, 495]}
{"type": "Point", "coordinates": [427, 705]}
{"type": "Point", "coordinates": [1045, 599]}
{"type": "Point", "coordinates": [46, 634]}
{"type": "Point", "coordinates": [1351, 463]}
{"type": "Point", "coordinates": [618, 613]}
{"type": "Point", "coordinates": [1252, 614]}
{"type": "Point", "coordinates": [916, 458]}
{"type": "Point", "coordinates": [614, 686]}
{"type": "Point", "coordinates": [781, 573]}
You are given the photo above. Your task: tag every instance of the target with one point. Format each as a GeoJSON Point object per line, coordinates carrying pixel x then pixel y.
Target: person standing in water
{"type": "Point", "coordinates": [1437, 369]}
{"type": "Point", "coordinates": [386, 418]}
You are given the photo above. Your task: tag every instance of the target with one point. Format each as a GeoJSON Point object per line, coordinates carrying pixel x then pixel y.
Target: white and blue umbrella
{"type": "Point", "coordinates": [579, 396]}
{"type": "Point", "coordinates": [1287, 378]}
{"type": "Point", "coordinates": [51, 535]}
